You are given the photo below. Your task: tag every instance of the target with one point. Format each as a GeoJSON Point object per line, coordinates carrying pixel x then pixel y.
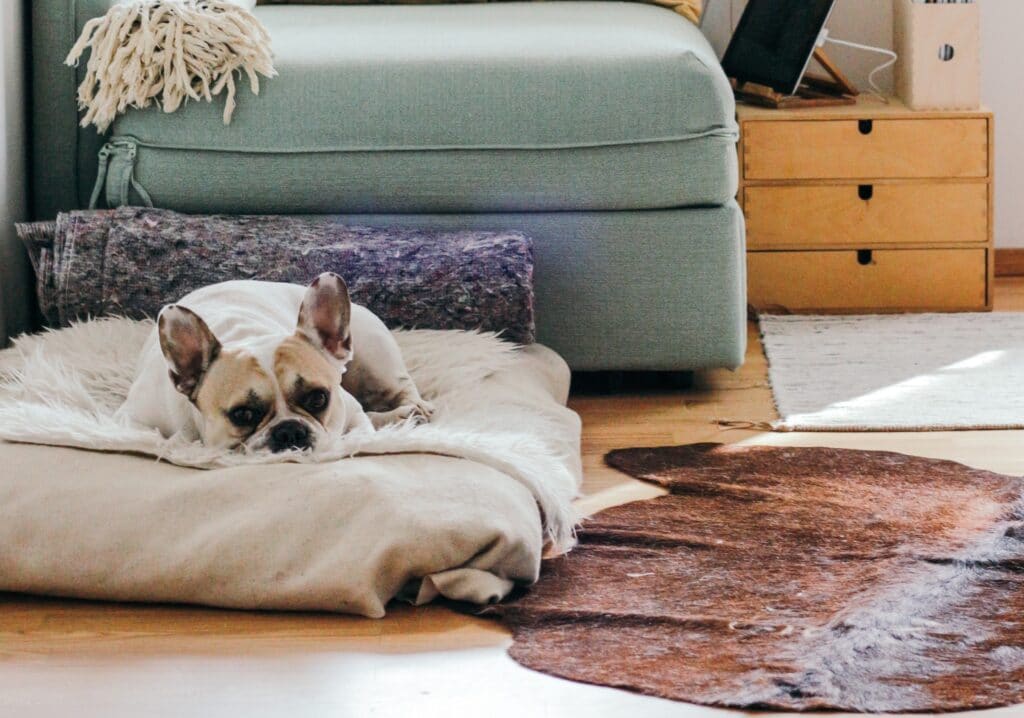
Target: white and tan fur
{"type": "Point", "coordinates": [268, 365]}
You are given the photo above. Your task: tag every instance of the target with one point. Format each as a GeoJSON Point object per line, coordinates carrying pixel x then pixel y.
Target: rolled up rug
{"type": "Point", "coordinates": [167, 52]}
{"type": "Point", "coordinates": [131, 261]}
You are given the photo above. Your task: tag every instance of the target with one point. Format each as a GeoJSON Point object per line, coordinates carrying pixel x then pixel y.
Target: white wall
{"type": "Point", "coordinates": [13, 181]}
{"type": "Point", "coordinates": [870, 22]}
{"type": "Point", "coordinates": [1001, 25]}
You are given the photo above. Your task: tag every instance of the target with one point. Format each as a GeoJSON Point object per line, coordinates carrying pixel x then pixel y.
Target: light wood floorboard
{"type": "Point", "coordinates": [81, 658]}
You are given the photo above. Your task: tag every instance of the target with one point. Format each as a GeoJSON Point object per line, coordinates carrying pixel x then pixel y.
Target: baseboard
{"type": "Point", "coordinates": [1010, 262]}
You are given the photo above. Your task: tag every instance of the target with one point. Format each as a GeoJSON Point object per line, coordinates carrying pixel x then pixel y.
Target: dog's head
{"type": "Point", "coordinates": [275, 392]}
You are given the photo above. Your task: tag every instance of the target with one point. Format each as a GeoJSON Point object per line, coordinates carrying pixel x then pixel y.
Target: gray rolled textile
{"type": "Point", "coordinates": [131, 261]}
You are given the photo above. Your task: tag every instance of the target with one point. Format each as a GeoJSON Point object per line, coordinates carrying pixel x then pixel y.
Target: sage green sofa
{"type": "Point", "coordinates": [604, 130]}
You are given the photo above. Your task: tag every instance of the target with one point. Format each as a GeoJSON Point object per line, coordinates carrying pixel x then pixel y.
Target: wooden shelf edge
{"type": "Point", "coordinates": [874, 245]}
{"type": "Point", "coordinates": [923, 179]}
{"type": "Point", "coordinates": [871, 310]}
{"type": "Point", "coordinates": [867, 107]}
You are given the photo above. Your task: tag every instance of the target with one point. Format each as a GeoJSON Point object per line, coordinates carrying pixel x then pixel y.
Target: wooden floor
{"type": "Point", "coordinates": [90, 659]}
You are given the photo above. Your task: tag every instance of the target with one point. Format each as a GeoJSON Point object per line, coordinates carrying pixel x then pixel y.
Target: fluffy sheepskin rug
{"type": "Point", "coordinates": [63, 387]}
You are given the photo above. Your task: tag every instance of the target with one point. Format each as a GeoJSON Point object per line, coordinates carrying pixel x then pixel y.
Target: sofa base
{"type": "Point", "coordinates": [661, 290]}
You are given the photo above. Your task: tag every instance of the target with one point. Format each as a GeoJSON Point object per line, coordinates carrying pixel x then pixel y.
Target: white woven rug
{"type": "Point", "coordinates": [903, 372]}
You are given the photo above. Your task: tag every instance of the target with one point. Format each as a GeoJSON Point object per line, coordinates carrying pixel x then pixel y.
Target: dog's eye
{"type": "Point", "coordinates": [315, 401]}
{"type": "Point", "coordinates": [244, 416]}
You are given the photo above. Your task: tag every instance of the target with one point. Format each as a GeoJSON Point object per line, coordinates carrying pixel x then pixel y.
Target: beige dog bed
{"type": "Point", "coordinates": [459, 508]}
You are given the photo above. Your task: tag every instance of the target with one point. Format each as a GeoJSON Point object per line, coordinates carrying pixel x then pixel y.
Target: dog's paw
{"type": "Point", "coordinates": [423, 409]}
{"type": "Point", "coordinates": [380, 419]}
{"type": "Point", "coordinates": [419, 411]}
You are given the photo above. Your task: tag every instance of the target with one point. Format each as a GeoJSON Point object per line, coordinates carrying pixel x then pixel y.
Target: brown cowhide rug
{"type": "Point", "coordinates": [792, 578]}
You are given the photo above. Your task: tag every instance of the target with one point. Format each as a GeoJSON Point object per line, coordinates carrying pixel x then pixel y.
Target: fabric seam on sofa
{"type": "Point", "coordinates": [726, 133]}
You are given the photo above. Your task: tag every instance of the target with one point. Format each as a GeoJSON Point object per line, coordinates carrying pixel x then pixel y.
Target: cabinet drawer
{"type": "Point", "coordinates": [841, 280]}
{"type": "Point", "coordinates": [862, 215]}
{"type": "Point", "coordinates": [865, 149]}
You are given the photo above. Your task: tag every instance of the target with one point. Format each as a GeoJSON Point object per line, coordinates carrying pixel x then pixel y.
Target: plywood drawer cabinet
{"type": "Point", "coordinates": [803, 215]}
{"type": "Point", "coordinates": [869, 207]}
{"type": "Point", "coordinates": [868, 279]}
{"type": "Point", "coordinates": [855, 149]}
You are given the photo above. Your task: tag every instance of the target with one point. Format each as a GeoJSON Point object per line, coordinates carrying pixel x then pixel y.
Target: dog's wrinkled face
{"type": "Point", "coordinates": [275, 392]}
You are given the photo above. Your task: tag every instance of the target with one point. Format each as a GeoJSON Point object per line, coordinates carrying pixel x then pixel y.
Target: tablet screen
{"type": "Point", "coordinates": [774, 40]}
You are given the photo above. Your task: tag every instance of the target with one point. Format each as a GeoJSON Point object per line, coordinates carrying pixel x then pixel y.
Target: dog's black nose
{"type": "Point", "coordinates": [289, 435]}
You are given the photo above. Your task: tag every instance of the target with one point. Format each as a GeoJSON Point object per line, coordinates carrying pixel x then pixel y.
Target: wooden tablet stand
{"type": "Point", "coordinates": [814, 90]}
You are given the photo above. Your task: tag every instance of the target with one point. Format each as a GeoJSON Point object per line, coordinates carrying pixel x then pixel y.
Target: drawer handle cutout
{"type": "Point", "coordinates": [865, 126]}
{"type": "Point", "coordinates": [863, 257]}
{"type": "Point", "coordinates": [865, 191]}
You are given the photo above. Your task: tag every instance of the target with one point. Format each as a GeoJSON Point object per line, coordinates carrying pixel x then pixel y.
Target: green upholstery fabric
{"type": "Point", "coordinates": [509, 106]}
{"type": "Point", "coordinates": [653, 289]}
{"type": "Point", "coordinates": [633, 73]}
{"type": "Point", "coordinates": [497, 75]}
{"type": "Point", "coordinates": [650, 175]}
{"type": "Point", "coordinates": [63, 155]}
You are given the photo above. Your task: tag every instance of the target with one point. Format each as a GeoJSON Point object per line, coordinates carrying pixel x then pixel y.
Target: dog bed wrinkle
{"type": "Point", "coordinates": [824, 598]}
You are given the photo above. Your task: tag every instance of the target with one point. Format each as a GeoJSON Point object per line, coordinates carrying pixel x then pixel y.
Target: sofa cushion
{"type": "Point", "coordinates": [690, 9]}
{"type": "Point", "coordinates": [510, 106]}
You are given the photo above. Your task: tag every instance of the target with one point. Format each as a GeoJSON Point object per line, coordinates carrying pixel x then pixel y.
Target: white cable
{"type": "Point", "coordinates": [893, 57]}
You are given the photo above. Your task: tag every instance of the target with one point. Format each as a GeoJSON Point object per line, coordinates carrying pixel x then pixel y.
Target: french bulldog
{"type": "Point", "coordinates": [265, 365]}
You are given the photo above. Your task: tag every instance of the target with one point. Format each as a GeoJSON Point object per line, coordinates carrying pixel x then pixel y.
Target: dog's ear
{"type": "Point", "coordinates": [188, 345]}
{"type": "Point", "coordinates": [325, 315]}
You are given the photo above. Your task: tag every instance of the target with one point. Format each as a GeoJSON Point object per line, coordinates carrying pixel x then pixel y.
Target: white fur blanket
{"type": "Point", "coordinates": [62, 388]}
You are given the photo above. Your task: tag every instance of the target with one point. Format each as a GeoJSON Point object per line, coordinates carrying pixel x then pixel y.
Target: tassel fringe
{"type": "Point", "coordinates": [168, 52]}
